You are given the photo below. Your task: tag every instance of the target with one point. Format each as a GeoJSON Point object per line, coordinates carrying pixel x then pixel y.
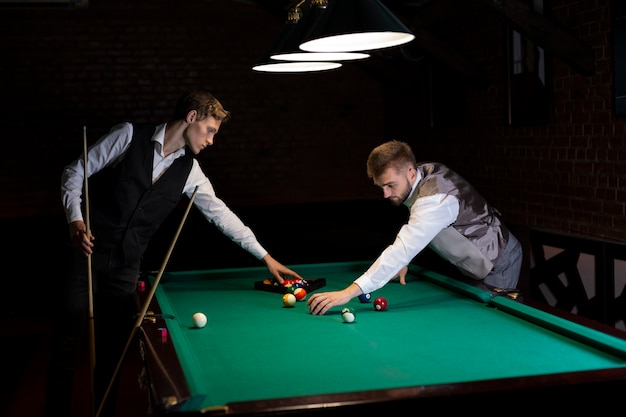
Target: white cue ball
{"type": "Point", "coordinates": [199, 320]}
{"type": "Point", "coordinates": [348, 315]}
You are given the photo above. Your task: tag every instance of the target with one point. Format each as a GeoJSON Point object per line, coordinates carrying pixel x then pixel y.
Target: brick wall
{"type": "Point", "coordinates": [305, 138]}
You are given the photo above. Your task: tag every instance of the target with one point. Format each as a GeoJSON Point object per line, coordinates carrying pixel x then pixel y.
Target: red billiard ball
{"type": "Point", "coordinates": [380, 304]}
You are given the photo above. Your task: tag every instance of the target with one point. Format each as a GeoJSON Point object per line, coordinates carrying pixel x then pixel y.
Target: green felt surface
{"type": "Point", "coordinates": [435, 331]}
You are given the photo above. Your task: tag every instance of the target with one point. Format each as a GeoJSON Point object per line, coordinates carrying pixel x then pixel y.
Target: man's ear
{"type": "Point", "coordinates": [191, 116]}
{"type": "Point", "coordinates": [412, 172]}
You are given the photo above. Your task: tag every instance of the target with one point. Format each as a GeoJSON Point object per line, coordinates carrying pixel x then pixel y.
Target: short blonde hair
{"type": "Point", "coordinates": [203, 102]}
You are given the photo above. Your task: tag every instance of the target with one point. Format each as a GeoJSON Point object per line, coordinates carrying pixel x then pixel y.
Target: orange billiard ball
{"type": "Point", "coordinates": [299, 293]}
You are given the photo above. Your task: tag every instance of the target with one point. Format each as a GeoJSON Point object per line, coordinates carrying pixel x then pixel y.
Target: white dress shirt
{"type": "Point", "coordinates": [427, 217]}
{"type": "Point", "coordinates": [112, 147]}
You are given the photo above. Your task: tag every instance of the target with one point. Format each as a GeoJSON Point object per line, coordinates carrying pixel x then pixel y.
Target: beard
{"type": "Point", "coordinates": [401, 198]}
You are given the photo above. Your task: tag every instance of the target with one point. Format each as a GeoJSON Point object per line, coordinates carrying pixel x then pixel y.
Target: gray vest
{"type": "Point", "coordinates": [475, 240]}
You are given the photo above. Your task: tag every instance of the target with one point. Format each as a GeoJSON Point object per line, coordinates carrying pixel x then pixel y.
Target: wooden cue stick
{"type": "Point", "coordinates": [146, 304]}
{"type": "Point", "coordinates": [92, 332]}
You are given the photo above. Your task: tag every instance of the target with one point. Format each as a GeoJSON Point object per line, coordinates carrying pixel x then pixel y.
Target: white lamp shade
{"type": "Point", "coordinates": [356, 25]}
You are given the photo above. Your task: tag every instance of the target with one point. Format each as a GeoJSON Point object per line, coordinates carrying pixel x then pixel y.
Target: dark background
{"type": "Point", "coordinates": [291, 161]}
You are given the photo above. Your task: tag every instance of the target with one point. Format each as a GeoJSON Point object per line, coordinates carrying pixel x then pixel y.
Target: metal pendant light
{"type": "Point", "coordinates": [356, 25]}
{"type": "Point", "coordinates": [286, 47]}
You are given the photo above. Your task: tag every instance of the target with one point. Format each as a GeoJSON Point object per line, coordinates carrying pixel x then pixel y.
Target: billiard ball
{"type": "Point", "coordinates": [199, 320]}
{"type": "Point", "coordinates": [380, 304]}
{"type": "Point", "coordinates": [348, 315]}
{"type": "Point", "coordinates": [289, 300]}
{"type": "Point", "coordinates": [365, 298]}
{"type": "Point", "coordinates": [299, 293]}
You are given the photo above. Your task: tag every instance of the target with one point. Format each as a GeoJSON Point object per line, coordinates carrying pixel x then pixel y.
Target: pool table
{"type": "Point", "coordinates": [441, 344]}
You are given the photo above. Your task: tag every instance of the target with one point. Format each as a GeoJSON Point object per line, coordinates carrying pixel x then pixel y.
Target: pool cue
{"type": "Point", "coordinates": [146, 304]}
{"type": "Point", "coordinates": [92, 332]}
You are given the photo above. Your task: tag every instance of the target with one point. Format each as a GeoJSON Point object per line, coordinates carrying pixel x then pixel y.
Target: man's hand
{"type": "Point", "coordinates": [79, 238]}
{"type": "Point", "coordinates": [402, 275]}
{"type": "Point", "coordinates": [320, 303]}
{"type": "Point", "coordinates": [278, 270]}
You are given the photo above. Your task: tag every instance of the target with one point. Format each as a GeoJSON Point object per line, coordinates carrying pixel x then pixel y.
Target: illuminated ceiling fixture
{"type": "Point", "coordinates": [294, 66]}
{"type": "Point", "coordinates": [356, 25]}
{"type": "Point", "coordinates": [285, 54]}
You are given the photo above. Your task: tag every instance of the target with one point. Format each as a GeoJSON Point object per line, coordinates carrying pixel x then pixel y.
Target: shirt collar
{"type": "Point", "coordinates": [413, 195]}
{"type": "Point", "coordinates": [159, 137]}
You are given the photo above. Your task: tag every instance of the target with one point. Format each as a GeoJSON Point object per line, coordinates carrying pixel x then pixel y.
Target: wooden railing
{"type": "Point", "coordinates": [582, 275]}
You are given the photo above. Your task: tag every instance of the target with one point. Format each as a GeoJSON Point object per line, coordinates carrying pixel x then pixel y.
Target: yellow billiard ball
{"type": "Point", "coordinates": [289, 300]}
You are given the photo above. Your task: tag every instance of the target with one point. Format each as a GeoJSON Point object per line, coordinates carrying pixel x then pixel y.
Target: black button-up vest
{"type": "Point", "coordinates": [125, 207]}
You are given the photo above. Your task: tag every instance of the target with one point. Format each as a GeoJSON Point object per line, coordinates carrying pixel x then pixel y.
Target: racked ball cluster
{"type": "Point", "coordinates": [295, 287]}
{"type": "Point", "coordinates": [290, 284]}
{"type": "Point", "coordinates": [295, 290]}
